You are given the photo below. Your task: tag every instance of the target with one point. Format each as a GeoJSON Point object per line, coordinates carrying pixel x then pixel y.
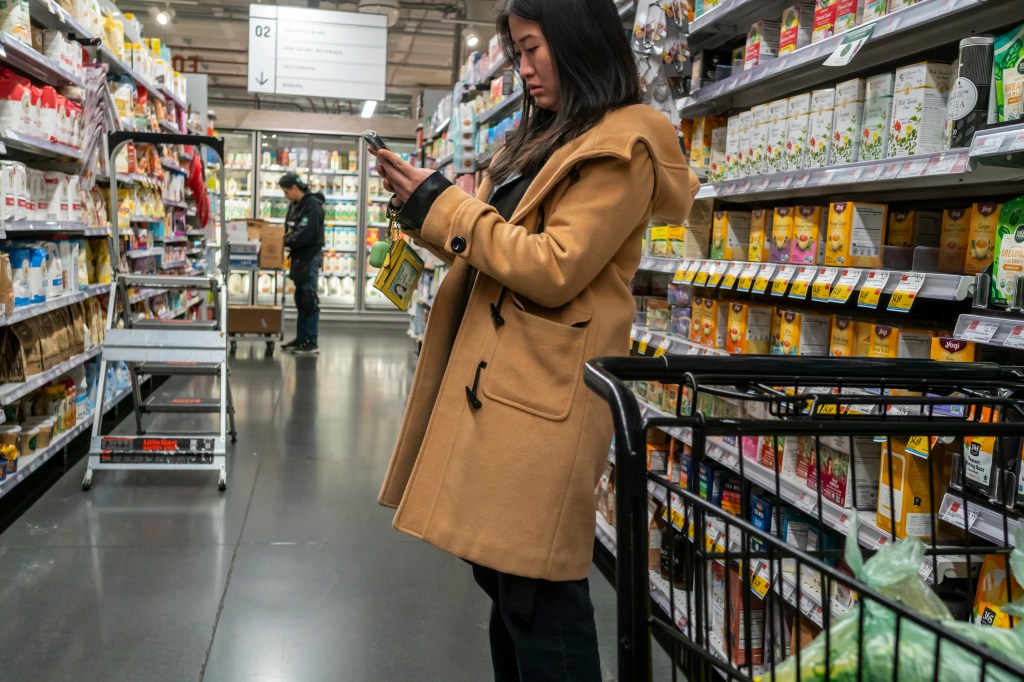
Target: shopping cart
{"type": "Point", "coordinates": [767, 448]}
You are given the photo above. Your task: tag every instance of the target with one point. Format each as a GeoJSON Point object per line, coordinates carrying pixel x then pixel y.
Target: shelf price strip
{"type": "Point", "coordinates": [871, 292]}
{"type": "Point", "coordinates": [703, 272]}
{"type": "Point", "coordinates": [729, 281]}
{"type": "Point", "coordinates": [845, 287]}
{"type": "Point", "coordinates": [764, 277]}
{"type": "Point", "coordinates": [663, 347]}
{"type": "Point", "coordinates": [684, 268]}
{"type": "Point", "coordinates": [803, 281]}
{"type": "Point", "coordinates": [906, 292]}
{"type": "Point", "coordinates": [1016, 337]}
{"type": "Point", "coordinates": [782, 280]}
{"type": "Point", "coordinates": [746, 280]}
{"type": "Point", "coordinates": [715, 277]}
{"type": "Point", "coordinates": [822, 288]}
{"type": "Point", "coordinates": [980, 331]}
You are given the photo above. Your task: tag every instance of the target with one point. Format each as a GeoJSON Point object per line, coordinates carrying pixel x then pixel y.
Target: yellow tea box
{"type": "Point", "coordinates": [884, 341]}
{"type": "Point", "coordinates": [660, 245]}
{"type": "Point", "coordinates": [778, 319]}
{"type": "Point", "coordinates": [915, 228]}
{"type": "Point", "coordinates": [864, 335]}
{"type": "Point", "coordinates": [805, 334]}
{"type": "Point", "coordinates": [730, 235]}
{"type": "Point", "coordinates": [797, 131]}
{"type": "Point", "coordinates": [847, 126]}
{"type": "Point", "coordinates": [878, 96]}
{"type": "Point", "coordinates": [914, 344]}
{"type": "Point", "coordinates": [761, 221]}
{"type": "Point", "coordinates": [783, 226]}
{"type": "Point", "coordinates": [952, 350]}
{"type": "Point", "coordinates": [749, 329]}
{"type": "Point", "coordinates": [906, 501]}
{"type": "Point", "coordinates": [697, 319]}
{"type": "Point", "coordinates": [700, 148]}
{"type": "Point", "coordinates": [714, 322]}
{"type": "Point", "coordinates": [954, 238]}
{"type": "Point", "coordinates": [807, 235]}
{"type": "Point", "coordinates": [819, 128]}
{"type": "Point", "coordinates": [855, 234]}
{"type": "Point", "coordinates": [919, 109]}
{"type": "Point", "coordinates": [981, 239]}
{"type": "Point", "coordinates": [843, 342]}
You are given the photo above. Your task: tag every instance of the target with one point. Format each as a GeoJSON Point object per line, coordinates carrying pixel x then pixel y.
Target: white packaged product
{"type": "Point", "coordinates": [758, 140]}
{"type": "Point", "coordinates": [68, 251]}
{"type": "Point", "coordinates": [55, 188]}
{"type": "Point", "coordinates": [37, 269]}
{"type": "Point", "coordinates": [75, 204]}
{"type": "Point", "coordinates": [847, 122]}
{"type": "Point", "coordinates": [15, 101]}
{"type": "Point", "coordinates": [14, 19]}
{"type": "Point", "coordinates": [778, 127]}
{"type": "Point", "coordinates": [21, 191]}
{"type": "Point", "coordinates": [54, 272]}
{"type": "Point", "coordinates": [36, 193]}
{"type": "Point", "coordinates": [732, 148]}
{"type": "Point", "coordinates": [819, 130]}
{"type": "Point", "coordinates": [7, 196]}
{"type": "Point", "coordinates": [919, 109]}
{"type": "Point", "coordinates": [743, 143]}
{"type": "Point", "coordinates": [20, 265]}
{"type": "Point", "coordinates": [797, 131]}
{"type": "Point", "coordinates": [878, 95]}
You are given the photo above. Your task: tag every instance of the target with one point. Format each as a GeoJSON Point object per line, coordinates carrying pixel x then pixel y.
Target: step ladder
{"type": "Point", "coordinates": [165, 348]}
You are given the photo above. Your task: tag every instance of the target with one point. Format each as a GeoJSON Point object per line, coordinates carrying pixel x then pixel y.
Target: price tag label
{"type": "Point", "coordinates": [823, 284]}
{"type": "Point", "coordinates": [871, 173]}
{"type": "Point", "coordinates": [955, 514]}
{"type": "Point", "coordinates": [759, 582]}
{"type": "Point", "coordinates": [717, 272]}
{"type": "Point", "coordinates": [944, 163]}
{"type": "Point", "coordinates": [806, 502]}
{"type": "Point", "coordinates": [693, 349]}
{"type": "Point", "coordinates": [51, 6]}
{"type": "Point", "coordinates": [914, 169]}
{"type": "Point", "coordinates": [920, 446]}
{"type": "Point", "coordinates": [764, 277]}
{"type": "Point", "coordinates": [906, 292]}
{"type": "Point", "coordinates": [980, 331]}
{"type": "Point", "coordinates": [802, 283]}
{"type": "Point", "coordinates": [1016, 337]}
{"type": "Point", "coordinates": [729, 281]}
{"type": "Point", "coordinates": [691, 271]}
{"type": "Point", "coordinates": [986, 145]}
{"type": "Point", "coordinates": [632, 335]}
{"type": "Point", "coordinates": [787, 180]}
{"type": "Point", "coordinates": [644, 342]}
{"type": "Point", "coordinates": [781, 282]}
{"type": "Point", "coordinates": [1017, 144]}
{"type": "Point", "coordinates": [844, 288]}
{"type": "Point", "coordinates": [744, 186]}
{"type": "Point", "coordinates": [705, 270]}
{"type": "Point", "coordinates": [891, 170]}
{"type": "Point", "coordinates": [761, 184]}
{"type": "Point", "coordinates": [680, 275]}
{"type": "Point", "coordinates": [871, 292]}
{"type": "Point", "coordinates": [746, 279]}
{"type": "Point", "coordinates": [663, 347]}
{"type": "Point", "coordinates": [802, 179]}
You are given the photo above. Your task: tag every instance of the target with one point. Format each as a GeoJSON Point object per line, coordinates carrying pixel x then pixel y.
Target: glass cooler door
{"type": "Point", "coordinates": [334, 171]}
{"type": "Point", "coordinates": [376, 222]}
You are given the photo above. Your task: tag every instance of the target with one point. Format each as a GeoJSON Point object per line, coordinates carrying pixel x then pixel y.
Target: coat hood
{"type": "Point", "coordinates": [318, 197]}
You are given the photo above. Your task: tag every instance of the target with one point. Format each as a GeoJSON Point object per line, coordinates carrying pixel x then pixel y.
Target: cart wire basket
{"type": "Point", "coordinates": [796, 518]}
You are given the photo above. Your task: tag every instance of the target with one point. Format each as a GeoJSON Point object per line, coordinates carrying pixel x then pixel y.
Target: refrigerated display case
{"type": "Point", "coordinates": [240, 171]}
{"type": "Point", "coordinates": [336, 172]}
{"type": "Point", "coordinates": [280, 153]}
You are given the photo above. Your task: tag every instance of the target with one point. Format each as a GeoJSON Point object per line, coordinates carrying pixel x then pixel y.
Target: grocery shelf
{"type": "Point", "coordinates": [30, 464]}
{"type": "Point", "coordinates": [49, 226]}
{"type": "Point", "coordinates": [999, 145]}
{"type": "Point", "coordinates": [173, 167]}
{"type": "Point", "coordinates": [27, 312]}
{"type": "Point", "coordinates": [956, 172]}
{"type": "Point", "coordinates": [810, 602]}
{"type": "Point", "coordinates": [730, 18]}
{"type": "Point", "coordinates": [444, 161]}
{"type": "Point", "coordinates": [144, 253]}
{"type": "Point", "coordinates": [15, 391]}
{"type": "Point", "coordinates": [496, 68]}
{"type": "Point", "coordinates": [626, 8]}
{"type": "Point", "coordinates": [145, 219]}
{"type": "Point", "coordinates": [321, 171]}
{"type": "Point", "coordinates": [606, 534]}
{"type": "Point", "coordinates": [441, 130]}
{"type": "Point", "coordinates": [96, 232]}
{"type": "Point", "coordinates": [16, 54]}
{"type": "Point", "coordinates": [982, 521]}
{"type": "Point", "coordinates": [173, 97]}
{"type": "Point", "coordinates": [175, 204]}
{"type": "Point", "coordinates": [659, 264]}
{"type": "Point", "coordinates": [168, 127]}
{"type": "Point", "coordinates": [498, 109]}
{"type": "Point", "coordinates": [173, 239]}
{"type": "Point", "coordinates": [49, 14]}
{"type": "Point", "coordinates": [145, 295]}
{"type": "Point", "coordinates": [119, 66]}
{"type": "Point", "coordinates": [672, 344]}
{"type": "Point", "coordinates": [36, 146]}
{"type": "Point", "coordinates": [992, 330]}
{"type": "Point", "coordinates": [173, 264]}
{"type": "Point", "coordinates": [919, 28]}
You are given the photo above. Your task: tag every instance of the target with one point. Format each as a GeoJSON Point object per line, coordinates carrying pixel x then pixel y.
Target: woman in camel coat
{"type": "Point", "coordinates": [502, 445]}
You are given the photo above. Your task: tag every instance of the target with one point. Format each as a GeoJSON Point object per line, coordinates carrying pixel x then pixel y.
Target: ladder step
{"type": "Point", "coordinates": [169, 282]}
{"type": "Point", "coordinates": [166, 449]}
{"type": "Point", "coordinates": [167, 345]}
{"type": "Point", "coordinates": [206, 325]}
{"type": "Point", "coordinates": [166, 369]}
{"type": "Point", "coordinates": [183, 406]}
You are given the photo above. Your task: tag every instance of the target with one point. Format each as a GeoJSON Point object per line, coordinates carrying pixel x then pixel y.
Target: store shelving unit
{"type": "Point", "coordinates": [40, 67]}
{"type": "Point", "coordinates": [27, 312]}
{"type": "Point", "coordinates": [980, 520]}
{"type": "Point", "coordinates": [36, 147]}
{"type": "Point", "coordinates": [497, 110]}
{"type": "Point", "coordinates": [12, 392]}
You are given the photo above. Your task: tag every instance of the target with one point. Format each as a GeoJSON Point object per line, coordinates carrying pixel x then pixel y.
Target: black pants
{"type": "Point", "coordinates": [540, 631]}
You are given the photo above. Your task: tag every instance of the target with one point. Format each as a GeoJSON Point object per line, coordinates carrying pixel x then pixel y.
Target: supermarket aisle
{"type": "Point", "coordinates": [295, 574]}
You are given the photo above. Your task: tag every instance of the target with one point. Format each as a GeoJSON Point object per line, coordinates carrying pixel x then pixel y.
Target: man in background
{"type": "Point", "coordinates": [304, 239]}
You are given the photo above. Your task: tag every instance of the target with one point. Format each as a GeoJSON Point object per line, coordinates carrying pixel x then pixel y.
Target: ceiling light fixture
{"type": "Point", "coordinates": [472, 39]}
{"type": "Point", "coordinates": [369, 107]}
{"type": "Point", "coordinates": [165, 16]}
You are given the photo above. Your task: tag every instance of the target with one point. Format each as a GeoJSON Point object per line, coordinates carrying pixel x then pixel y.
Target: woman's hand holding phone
{"type": "Point", "coordinates": [400, 178]}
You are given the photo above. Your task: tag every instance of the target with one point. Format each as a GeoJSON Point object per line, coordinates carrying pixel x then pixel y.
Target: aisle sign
{"type": "Point", "coordinates": [715, 278]}
{"type": "Point", "coordinates": [317, 53]}
{"type": "Point", "coordinates": [781, 283]}
{"type": "Point", "coordinates": [803, 282]}
{"type": "Point", "coordinates": [747, 277]}
{"type": "Point", "coordinates": [680, 275]}
{"type": "Point", "coordinates": [906, 292]}
{"type": "Point", "coordinates": [979, 331]}
{"type": "Point", "coordinates": [763, 278]}
{"type": "Point", "coordinates": [848, 281]}
{"type": "Point", "coordinates": [1016, 337]}
{"type": "Point", "coordinates": [730, 277]}
{"type": "Point", "coordinates": [823, 285]}
{"type": "Point", "coordinates": [871, 292]}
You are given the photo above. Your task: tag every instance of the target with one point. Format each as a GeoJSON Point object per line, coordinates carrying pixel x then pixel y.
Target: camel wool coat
{"type": "Point", "coordinates": [502, 444]}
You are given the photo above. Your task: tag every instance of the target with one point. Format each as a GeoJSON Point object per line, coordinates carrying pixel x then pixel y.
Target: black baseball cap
{"type": "Point", "coordinates": [291, 180]}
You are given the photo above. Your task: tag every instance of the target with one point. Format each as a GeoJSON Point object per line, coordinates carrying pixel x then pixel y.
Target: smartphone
{"type": "Point", "coordinates": [374, 140]}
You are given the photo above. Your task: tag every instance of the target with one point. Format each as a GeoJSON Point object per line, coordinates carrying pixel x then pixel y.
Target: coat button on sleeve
{"type": "Point", "coordinates": [458, 245]}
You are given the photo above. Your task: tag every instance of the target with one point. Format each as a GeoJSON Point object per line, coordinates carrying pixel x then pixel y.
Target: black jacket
{"type": "Point", "coordinates": [304, 228]}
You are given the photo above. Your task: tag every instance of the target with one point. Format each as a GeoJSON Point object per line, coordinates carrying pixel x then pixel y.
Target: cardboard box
{"type": "Point", "coordinates": [914, 228]}
{"type": "Point", "coordinates": [797, 132]}
{"type": "Point", "coordinates": [819, 129]}
{"type": "Point", "coordinates": [839, 478]}
{"type": "Point", "coordinates": [732, 148]}
{"type": "Point", "coordinates": [761, 222]}
{"type": "Point", "coordinates": [254, 319]}
{"type": "Point", "coordinates": [808, 235]}
{"type": "Point", "coordinates": [864, 335]}
{"type": "Point", "coordinates": [730, 235]}
{"type": "Point", "coordinates": [271, 239]}
{"type": "Point", "coordinates": [878, 100]}
{"type": "Point", "coordinates": [875, 9]}
{"type": "Point", "coordinates": [744, 652]}
{"type": "Point", "coordinates": [843, 342]}
{"type": "Point", "coordinates": [762, 43]}
{"type": "Point", "coordinates": [981, 240]}
{"type": "Point", "coordinates": [849, 13]}
{"type": "Point", "coordinates": [778, 128]}
{"type": "Point", "coordinates": [954, 239]}
{"type": "Point", "coordinates": [910, 502]}
{"type": "Point", "coordinates": [714, 322]}
{"type": "Point", "coordinates": [856, 232]}
{"type": "Point", "coordinates": [847, 125]}
{"type": "Point", "coordinates": [797, 26]}
{"type": "Point", "coordinates": [952, 350]}
{"type": "Point", "coordinates": [749, 329]}
{"type": "Point", "coordinates": [884, 341]}
{"type": "Point", "coordinates": [783, 228]}
{"type": "Point", "coordinates": [700, 152]}
{"type": "Point", "coordinates": [743, 164]}
{"type": "Point", "coordinates": [919, 109]}
{"type": "Point", "coordinates": [758, 161]}
{"type": "Point", "coordinates": [824, 20]}
{"type": "Point", "coordinates": [717, 170]}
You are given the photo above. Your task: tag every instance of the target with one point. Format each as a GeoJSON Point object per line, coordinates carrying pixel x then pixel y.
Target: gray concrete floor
{"type": "Point", "coordinates": [294, 574]}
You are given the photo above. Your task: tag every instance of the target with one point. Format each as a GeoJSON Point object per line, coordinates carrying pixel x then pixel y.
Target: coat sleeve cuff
{"type": "Point", "coordinates": [416, 209]}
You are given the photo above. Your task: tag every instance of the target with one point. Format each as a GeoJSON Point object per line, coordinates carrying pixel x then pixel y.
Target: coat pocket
{"type": "Point", "coordinates": [538, 361]}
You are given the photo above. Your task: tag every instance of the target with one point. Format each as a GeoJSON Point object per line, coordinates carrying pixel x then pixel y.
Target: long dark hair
{"type": "Point", "coordinates": [596, 72]}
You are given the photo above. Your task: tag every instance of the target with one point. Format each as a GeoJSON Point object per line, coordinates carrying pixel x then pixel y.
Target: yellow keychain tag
{"type": "Point", "coordinates": [401, 270]}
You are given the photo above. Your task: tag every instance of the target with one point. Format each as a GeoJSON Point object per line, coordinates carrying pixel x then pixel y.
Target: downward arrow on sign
{"type": "Point", "coordinates": [262, 80]}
